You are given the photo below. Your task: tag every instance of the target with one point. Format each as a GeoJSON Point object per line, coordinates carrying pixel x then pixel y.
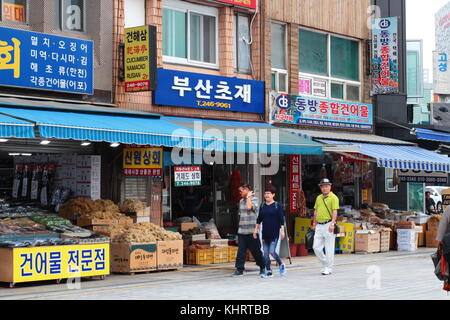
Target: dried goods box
{"type": "Point", "coordinates": [367, 241]}
{"type": "Point", "coordinates": [430, 238]}
{"type": "Point", "coordinates": [186, 226]}
{"type": "Point", "coordinates": [133, 257]}
{"type": "Point", "coordinates": [169, 254]}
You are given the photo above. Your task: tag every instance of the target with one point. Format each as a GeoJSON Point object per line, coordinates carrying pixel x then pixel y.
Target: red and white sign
{"type": "Point", "coordinates": [295, 182]}
{"type": "Point", "coordinates": [242, 3]}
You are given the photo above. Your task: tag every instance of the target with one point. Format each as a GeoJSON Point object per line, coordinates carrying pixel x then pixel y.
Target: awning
{"type": "Point", "coordinates": [15, 128]}
{"type": "Point", "coordinates": [400, 157]}
{"type": "Point", "coordinates": [128, 129]}
{"type": "Point", "coordinates": [431, 135]}
{"type": "Point", "coordinates": [251, 137]}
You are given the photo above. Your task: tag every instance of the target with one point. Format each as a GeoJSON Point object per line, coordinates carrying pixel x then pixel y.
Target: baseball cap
{"type": "Point", "coordinates": [325, 181]}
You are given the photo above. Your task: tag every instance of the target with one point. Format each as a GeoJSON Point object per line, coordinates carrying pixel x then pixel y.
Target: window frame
{"type": "Point", "coordinates": [189, 8]}
{"type": "Point", "coordinates": [278, 71]}
{"type": "Point", "coordinates": [330, 79]}
{"type": "Point", "coordinates": [389, 176]}
{"type": "Point", "coordinates": [61, 17]}
{"type": "Point", "coordinates": [237, 69]}
{"type": "Point", "coordinates": [27, 15]}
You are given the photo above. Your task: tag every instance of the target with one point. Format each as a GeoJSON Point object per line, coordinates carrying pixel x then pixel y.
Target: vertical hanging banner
{"type": "Point", "coordinates": [385, 56]}
{"type": "Point", "coordinates": [140, 58]}
{"type": "Point", "coordinates": [441, 73]}
{"type": "Point", "coordinates": [294, 182]}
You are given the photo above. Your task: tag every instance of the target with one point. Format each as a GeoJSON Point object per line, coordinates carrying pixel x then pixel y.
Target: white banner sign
{"type": "Point", "coordinates": [422, 176]}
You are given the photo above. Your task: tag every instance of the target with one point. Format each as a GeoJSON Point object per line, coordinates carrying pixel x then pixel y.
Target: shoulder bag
{"type": "Point", "coordinates": [336, 227]}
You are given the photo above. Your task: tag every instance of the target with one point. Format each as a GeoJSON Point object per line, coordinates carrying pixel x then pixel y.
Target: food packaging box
{"type": "Point", "coordinates": [133, 257]}
{"type": "Point", "coordinates": [367, 241]}
{"type": "Point", "coordinates": [169, 254]}
{"type": "Point", "coordinates": [430, 239]}
{"type": "Point", "coordinates": [186, 226]}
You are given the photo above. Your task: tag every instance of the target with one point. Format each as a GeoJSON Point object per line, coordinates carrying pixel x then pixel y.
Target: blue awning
{"type": "Point", "coordinates": [15, 128]}
{"type": "Point", "coordinates": [111, 128]}
{"type": "Point", "coordinates": [400, 157]}
{"type": "Point", "coordinates": [251, 137]}
{"type": "Point", "coordinates": [431, 135]}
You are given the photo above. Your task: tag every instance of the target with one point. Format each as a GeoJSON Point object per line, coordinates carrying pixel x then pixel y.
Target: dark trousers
{"type": "Point", "coordinates": [246, 241]}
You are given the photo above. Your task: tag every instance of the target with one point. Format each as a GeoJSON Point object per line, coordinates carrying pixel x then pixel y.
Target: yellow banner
{"type": "Point", "coordinates": [13, 12]}
{"type": "Point", "coordinates": [142, 158]}
{"type": "Point", "coordinates": [60, 262]}
{"type": "Point", "coordinates": [137, 59]}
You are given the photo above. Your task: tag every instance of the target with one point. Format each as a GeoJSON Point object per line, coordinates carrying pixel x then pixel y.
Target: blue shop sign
{"type": "Point", "coordinates": [47, 62]}
{"type": "Point", "coordinates": [203, 91]}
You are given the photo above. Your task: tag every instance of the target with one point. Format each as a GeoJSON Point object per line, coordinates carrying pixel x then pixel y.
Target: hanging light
{"type": "Point", "coordinates": [85, 144]}
{"type": "Point", "coordinates": [3, 140]}
{"type": "Point", "coordinates": [115, 144]}
{"type": "Point", "coordinates": [45, 142]}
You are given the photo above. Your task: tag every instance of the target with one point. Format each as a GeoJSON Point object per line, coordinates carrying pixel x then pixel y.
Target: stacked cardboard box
{"type": "Point", "coordinates": [430, 236]}
{"type": "Point", "coordinates": [406, 240]}
{"type": "Point", "coordinates": [88, 172]}
{"type": "Point", "coordinates": [367, 241]}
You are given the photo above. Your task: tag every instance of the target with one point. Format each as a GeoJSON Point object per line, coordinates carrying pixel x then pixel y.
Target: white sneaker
{"type": "Point", "coordinates": [326, 271]}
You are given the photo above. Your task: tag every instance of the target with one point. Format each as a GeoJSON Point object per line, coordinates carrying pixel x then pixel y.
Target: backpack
{"type": "Point", "coordinates": [264, 204]}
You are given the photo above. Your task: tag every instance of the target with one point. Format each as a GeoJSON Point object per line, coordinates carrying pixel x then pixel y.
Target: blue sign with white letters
{"type": "Point", "coordinates": [204, 91]}
{"type": "Point", "coordinates": [47, 62]}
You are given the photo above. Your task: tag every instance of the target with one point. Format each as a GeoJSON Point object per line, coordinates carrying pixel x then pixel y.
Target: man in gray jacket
{"type": "Point", "coordinates": [444, 225]}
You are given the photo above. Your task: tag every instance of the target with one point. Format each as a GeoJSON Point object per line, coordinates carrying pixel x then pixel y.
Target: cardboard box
{"type": "Point", "coordinates": [169, 254]}
{"type": "Point", "coordinates": [367, 242]}
{"type": "Point", "coordinates": [385, 237]}
{"type": "Point", "coordinates": [186, 226]}
{"type": "Point", "coordinates": [430, 239]}
{"type": "Point", "coordinates": [88, 161]}
{"type": "Point", "coordinates": [407, 239]}
{"type": "Point", "coordinates": [213, 242]}
{"type": "Point", "coordinates": [432, 225]}
{"type": "Point", "coordinates": [420, 233]}
{"type": "Point", "coordinates": [133, 257]}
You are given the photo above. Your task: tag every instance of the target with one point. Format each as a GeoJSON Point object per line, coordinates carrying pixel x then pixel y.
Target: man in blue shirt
{"type": "Point", "coordinates": [271, 214]}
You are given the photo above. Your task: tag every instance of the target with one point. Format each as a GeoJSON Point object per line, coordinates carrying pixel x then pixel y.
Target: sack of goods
{"type": "Point", "coordinates": [406, 240]}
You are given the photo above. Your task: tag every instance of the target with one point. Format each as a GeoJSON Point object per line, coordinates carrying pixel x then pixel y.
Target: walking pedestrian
{"type": "Point", "coordinates": [324, 221]}
{"type": "Point", "coordinates": [248, 213]}
{"type": "Point", "coordinates": [271, 215]}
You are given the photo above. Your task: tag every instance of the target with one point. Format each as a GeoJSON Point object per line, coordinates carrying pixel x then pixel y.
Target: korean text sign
{"type": "Point", "coordinates": [142, 161]}
{"type": "Point", "coordinates": [60, 262]}
{"type": "Point", "coordinates": [140, 58]}
{"type": "Point", "coordinates": [47, 62]}
{"type": "Point", "coordinates": [294, 182]}
{"type": "Point", "coordinates": [441, 70]}
{"type": "Point", "coordinates": [187, 176]}
{"type": "Point", "coordinates": [385, 56]}
{"type": "Point", "coordinates": [203, 91]}
{"type": "Point", "coordinates": [243, 3]}
{"type": "Point", "coordinates": [318, 112]}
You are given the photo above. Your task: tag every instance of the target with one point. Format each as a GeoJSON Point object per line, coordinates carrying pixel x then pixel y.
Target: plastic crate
{"type": "Point", "coordinates": [232, 253]}
{"type": "Point", "coordinates": [221, 255]}
{"type": "Point", "coordinates": [200, 257]}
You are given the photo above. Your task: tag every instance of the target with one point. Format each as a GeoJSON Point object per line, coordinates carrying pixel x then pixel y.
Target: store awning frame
{"type": "Point", "coordinates": [432, 135]}
{"type": "Point", "coordinates": [401, 157]}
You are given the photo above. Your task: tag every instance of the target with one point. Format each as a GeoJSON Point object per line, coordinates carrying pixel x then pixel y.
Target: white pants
{"type": "Point", "coordinates": [324, 238]}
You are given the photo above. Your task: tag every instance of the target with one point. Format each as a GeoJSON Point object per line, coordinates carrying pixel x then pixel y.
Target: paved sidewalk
{"type": "Point", "coordinates": [401, 273]}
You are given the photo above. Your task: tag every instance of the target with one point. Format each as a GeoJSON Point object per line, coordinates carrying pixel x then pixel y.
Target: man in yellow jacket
{"type": "Point", "coordinates": [324, 221]}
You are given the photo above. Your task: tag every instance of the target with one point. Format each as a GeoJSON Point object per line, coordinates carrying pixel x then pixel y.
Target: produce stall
{"type": "Point", "coordinates": [377, 228]}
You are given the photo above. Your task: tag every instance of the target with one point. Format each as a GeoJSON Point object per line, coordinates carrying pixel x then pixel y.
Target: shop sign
{"type": "Point", "coordinates": [60, 262]}
{"type": "Point", "coordinates": [319, 88]}
{"type": "Point", "coordinates": [441, 73]}
{"type": "Point", "coordinates": [140, 58]}
{"type": "Point", "coordinates": [318, 112]}
{"type": "Point", "coordinates": [46, 62]}
{"type": "Point", "coordinates": [304, 86]}
{"type": "Point", "coordinates": [294, 182]}
{"type": "Point", "coordinates": [187, 176]}
{"type": "Point", "coordinates": [13, 12]}
{"type": "Point", "coordinates": [385, 56]}
{"type": "Point", "coordinates": [242, 3]}
{"type": "Point", "coordinates": [142, 161]}
{"type": "Point", "coordinates": [208, 92]}
{"type": "Point", "coordinates": [406, 175]}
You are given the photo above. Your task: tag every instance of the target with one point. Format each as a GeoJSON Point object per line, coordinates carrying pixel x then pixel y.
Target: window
{"type": "Point", "coordinates": [389, 180]}
{"type": "Point", "coordinates": [241, 31]}
{"type": "Point", "coordinates": [189, 33]}
{"type": "Point", "coordinates": [134, 13]}
{"type": "Point", "coordinates": [72, 15]}
{"type": "Point", "coordinates": [14, 11]}
{"type": "Point", "coordinates": [279, 57]}
{"type": "Point", "coordinates": [329, 66]}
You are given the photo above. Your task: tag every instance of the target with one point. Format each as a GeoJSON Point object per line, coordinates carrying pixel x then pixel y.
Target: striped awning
{"type": "Point", "coordinates": [400, 157]}
{"type": "Point", "coordinates": [14, 128]}
{"type": "Point", "coordinates": [433, 135]}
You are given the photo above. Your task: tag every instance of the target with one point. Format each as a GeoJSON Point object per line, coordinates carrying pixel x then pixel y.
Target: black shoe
{"type": "Point", "coordinates": [238, 273]}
